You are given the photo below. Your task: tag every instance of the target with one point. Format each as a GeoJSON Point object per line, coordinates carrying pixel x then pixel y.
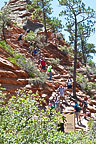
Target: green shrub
{"type": "Point", "coordinates": [54, 61]}
{"type": "Point", "coordinates": [41, 78]}
{"type": "Point", "coordinates": [30, 36]}
{"type": "Point", "coordinates": [70, 68]}
{"type": "Point", "coordinates": [7, 47]}
{"type": "Point", "coordinates": [66, 50]}
{"type": "Point", "coordinates": [24, 121]}
{"type": "Point", "coordinates": [91, 63]}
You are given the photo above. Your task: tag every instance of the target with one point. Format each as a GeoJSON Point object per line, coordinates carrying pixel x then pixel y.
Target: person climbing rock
{"type": "Point", "coordinates": [69, 83]}
{"type": "Point", "coordinates": [84, 106]}
{"type": "Point", "coordinates": [49, 71]}
{"type": "Point", "coordinates": [35, 52]}
{"type": "Point", "coordinates": [20, 39]}
{"type": "Point", "coordinates": [77, 110]}
{"type": "Point", "coordinates": [51, 107]}
{"type": "Point", "coordinates": [57, 104]}
{"type": "Point", "coordinates": [35, 49]}
{"type": "Point", "coordinates": [43, 62]}
{"type": "Point", "coordinates": [61, 90]}
{"type": "Point", "coordinates": [27, 31]}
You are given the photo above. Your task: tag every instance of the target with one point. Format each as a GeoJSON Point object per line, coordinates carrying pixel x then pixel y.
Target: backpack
{"type": "Point", "coordinates": [78, 108]}
{"type": "Point", "coordinates": [85, 103]}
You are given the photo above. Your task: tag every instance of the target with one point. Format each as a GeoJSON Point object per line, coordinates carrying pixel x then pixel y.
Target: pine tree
{"type": "Point", "coordinates": [42, 11]}
{"type": "Point", "coordinates": [76, 13]}
{"type": "Point", "coordinates": [4, 19]}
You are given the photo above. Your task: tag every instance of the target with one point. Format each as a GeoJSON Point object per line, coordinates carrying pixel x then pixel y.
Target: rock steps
{"type": "Point", "coordinates": [60, 72]}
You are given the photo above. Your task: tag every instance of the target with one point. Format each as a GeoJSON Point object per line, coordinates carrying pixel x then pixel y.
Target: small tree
{"type": "Point", "coordinates": [76, 13]}
{"type": "Point", "coordinates": [84, 32]}
{"type": "Point", "coordinates": [42, 12]}
{"type": "Point", "coordinates": [4, 19]}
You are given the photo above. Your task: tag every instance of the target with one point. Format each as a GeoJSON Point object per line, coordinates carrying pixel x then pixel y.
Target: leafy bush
{"type": "Point", "coordinates": [92, 132]}
{"type": "Point", "coordinates": [29, 66]}
{"type": "Point", "coordinates": [66, 50]}
{"type": "Point", "coordinates": [42, 77]}
{"type": "Point", "coordinates": [71, 68]}
{"type": "Point", "coordinates": [30, 36]}
{"type": "Point", "coordinates": [92, 70]}
{"type": "Point", "coordinates": [85, 84]}
{"type": "Point", "coordinates": [7, 47]}
{"type": "Point", "coordinates": [91, 63]}
{"type": "Point", "coordinates": [24, 121]}
{"type": "Point", "coordinates": [54, 61]}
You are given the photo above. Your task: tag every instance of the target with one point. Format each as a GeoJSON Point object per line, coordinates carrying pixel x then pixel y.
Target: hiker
{"type": "Point", "coordinates": [20, 39]}
{"type": "Point", "coordinates": [35, 52]}
{"type": "Point", "coordinates": [43, 62]}
{"type": "Point", "coordinates": [39, 61]}
{"type": "Point", "coordinates": [51, 107]}
{"type": "Point", "coordinates": [27, 31]}
{"type": "Point", "coordinates": [77, 110]}
{"type": "Point", "coordinates": [49, 71]}
{"type": "Point", "coordinates": [61, 90]}
{"type": "Point", "coordinates": [84, 106]}
{"type": "Point", "coordinates": [57, 104]}
{"type": "Point", "coordinates": [69, 83]}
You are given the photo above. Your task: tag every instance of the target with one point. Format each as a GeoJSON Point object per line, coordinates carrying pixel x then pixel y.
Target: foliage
{"type": "Point", "coordinates": [92, 70]}
{"type": "Point", "coordinates": [42, 77]}
{"type": "Point", "coordinates": [70, 68]}
{"type": "Point", "coordinates": [91, 63]}
{"type": "Point", "coordinates": [55, 24]}
{"type": "Point", "coordinates": [40, 41]}
{"type": "Point", "coordinates": [76, 14]}
{"type": "Point", "coordinates": [7, 47]}
{"type": "Point", "coordinates": [4, 19]}
{"type": "Point", "coordinates": [25, 63]}
{"type": "Point", "coordinates": [92, 126]}
{"type": "Point", "coordinates": [23, 120]}
{"type": "Point", "coordinates": [30, 36]}
{"type": "Point", "coordinates": [42, 11]}
{"type": "Point", "coordinates": [85, 84]}
{"type": "Point", "coordinates": [54, 61]}
{"type": "Point", "coordinates": [66, 50]}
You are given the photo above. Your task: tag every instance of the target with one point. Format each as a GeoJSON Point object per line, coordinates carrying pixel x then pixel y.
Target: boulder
{"type": "Point", "coordinates": [21, 73]}
{"type": "Point", "coordinates": [7, 74]}
{"type": "Point", "coordinates": [7, 65]}
{"type": "Point", "coordinates": [45, 96]}
{"type": "Point", "coordinates": [91, 109]}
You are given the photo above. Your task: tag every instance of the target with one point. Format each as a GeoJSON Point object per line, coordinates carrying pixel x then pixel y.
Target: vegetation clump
{"type": "Point", "coordinates": [23, 120]}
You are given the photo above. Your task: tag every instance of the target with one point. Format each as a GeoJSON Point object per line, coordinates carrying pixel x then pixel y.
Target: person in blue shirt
{"type": "Point", "coordinates": [77, 110]}
{"type": "Point", "coordinates": [20, 39]}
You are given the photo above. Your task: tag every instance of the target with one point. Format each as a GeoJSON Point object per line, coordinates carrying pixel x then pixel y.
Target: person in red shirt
{"type": "Point", "coordinates": [43, 62]}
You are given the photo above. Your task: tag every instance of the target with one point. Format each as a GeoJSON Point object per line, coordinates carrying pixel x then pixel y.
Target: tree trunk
{"type": "Point", "coordinates": [44, 21]}
{"type": "Point", "coordinates": [3, 30]}
{"type": "Point", "coordinates": [83, 52]}
{"type": "Point", "coordinates": [75, 61]}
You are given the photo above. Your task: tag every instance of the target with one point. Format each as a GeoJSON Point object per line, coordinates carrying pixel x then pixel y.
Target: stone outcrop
{"type": "Point", "coordinates": [21, 15]}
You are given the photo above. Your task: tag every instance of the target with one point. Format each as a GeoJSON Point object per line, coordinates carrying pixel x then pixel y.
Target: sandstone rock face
{"type": "Point", "coordinates": [19, 13]}
{"type": "Point", "coordinates": [11, 76]}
